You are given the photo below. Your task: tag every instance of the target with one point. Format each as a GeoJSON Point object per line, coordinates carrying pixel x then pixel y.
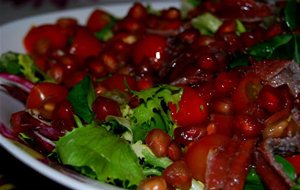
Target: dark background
{"type": "Point", "coordinates": [19, 176]}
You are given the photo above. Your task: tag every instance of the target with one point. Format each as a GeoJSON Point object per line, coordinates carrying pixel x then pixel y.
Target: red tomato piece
{"type": "Point", "coordinates": [98, 20]}
{"type": "Point", "coordinates": [120, 82]}
{"type": "Point", "coordinates": [192, 108]}
{"type": "Point", "coordinates": [43, 91]}
{"type": "Point", "coordinates": [295, 161]}
{"type": "Point", "coordinates": [246, 92]}
{"type": "Point", "coordinates": [85, 44]}
{"type": "Point", "coordinates": [196, 155]}
{"type": "Point", "coordinates": [150, 48]}
{"type": "Point", "coordinates": [42, 38]}
{"type": "Point", "coordinates": [45, 97]}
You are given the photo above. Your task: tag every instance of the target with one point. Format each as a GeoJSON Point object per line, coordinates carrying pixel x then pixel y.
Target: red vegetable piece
{"type": "Point", "coordinates": [192, 109]}
{"type": "Point", "coordinates": [85, 44]}
{"type": "Point", "coordinates": [98, 20]}
{"type": "Point", "coordinates": [41, 39]}
{"type": "Point", "coordinates": [196, 155]}
{"type": "Point", "coordinates": [151, 48]}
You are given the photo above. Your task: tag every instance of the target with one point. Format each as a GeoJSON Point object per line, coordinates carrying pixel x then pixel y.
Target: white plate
{"type": "Point", "coordinates": [11, 39]}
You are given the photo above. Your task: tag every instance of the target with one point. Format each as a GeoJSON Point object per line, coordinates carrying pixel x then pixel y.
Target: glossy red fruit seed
{"type": "Point", "coordinates": [269, 98]}
{"type": "Point", "coordinates": [174, 151]}
{"type": "Point", "coordinates": [247, 126]}
{"type": "Point", "coordinates": [186, 135]}
{"type": "Point", "coordinates": [178, 175]}
{"type": "Point", "coordinates": [155, 182]}
{"type": "Point", "coordinates": [158, 141]}
{"type": "Point", "coordinates": [104, 107]}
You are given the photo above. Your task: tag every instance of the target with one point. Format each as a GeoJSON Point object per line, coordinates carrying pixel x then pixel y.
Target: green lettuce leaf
{"type": "Point", "coordinates": [95, 152]}
{"type": "Point", "coordinates": [81, 97]}
{"type": "Point", "coordinates": [21, 64]}
{"type": "Point", "coordinates": [206, 23]}
{"type": "Point", "coordinates": [152, 111]}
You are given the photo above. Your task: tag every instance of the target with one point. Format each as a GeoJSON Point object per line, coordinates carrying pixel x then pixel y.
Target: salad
{"type": "Point", "coordinates": [205, 96]}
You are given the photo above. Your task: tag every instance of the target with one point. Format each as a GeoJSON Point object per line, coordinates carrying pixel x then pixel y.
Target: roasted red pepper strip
{"type": "Point", "coordinates": [228, 167]}
{"type": "Point", "coordinates": [268, 174]}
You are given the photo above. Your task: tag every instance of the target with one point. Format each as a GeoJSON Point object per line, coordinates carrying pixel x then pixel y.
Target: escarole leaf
{"type": "Point", "coordinates": [81, 97]}
{"type": "Point", "coordinates": [101, 155]}
{"type": "Point", "coordinates": [152, 112]}
{"type": "Point", "coordinates": [206, 23]}
{"type": "Point", "coordinates": [21, 64]}
{"type": "Point", "coordinates": [285, 46]}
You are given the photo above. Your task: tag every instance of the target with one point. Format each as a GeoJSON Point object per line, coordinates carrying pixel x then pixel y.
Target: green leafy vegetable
{"type": "Point", "coordinates": [291, 14]}
{"type": "Point", "coordinates": [20, 64]}
{"type": "Point", "coordinates": [81, 97]}
{"type": "Point", "coordinates": [101, 155]}
{"type": "Point", "coordinates": [145, 154]}
{"type": "Point", "coordinates": [106, 33]}
{"type": "Point", "coordinates": [239, 60]}
{"type": "Point", "coordinates": [284, 46]}
{"type": "Point", "coordinates": [286, 166]}
{"type": "Point", "coordinates": [206, 23]}
{"type": "Point", "coordinates": [253, 181]}
{"type": "Point", "coordinates": [151, 112]}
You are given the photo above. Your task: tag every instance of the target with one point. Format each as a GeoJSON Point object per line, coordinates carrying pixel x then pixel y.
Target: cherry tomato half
{"type": "Point", "coordinates": [41, 38]}
{"type": "Point", "coordinates": [192, 108]}
{"type": "Point", "coordinates": [45, 96]}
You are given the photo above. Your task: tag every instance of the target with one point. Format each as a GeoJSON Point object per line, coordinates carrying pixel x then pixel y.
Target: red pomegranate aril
{"type": "Point", "coordinates": [228, 26]}
{"type": "Point", "coordinates": [153, 183]}
{"type": "Point", "coordinates": [222, 105]}
{"type": "Point", "coordinates": [67, 22]}
{"type": "Point", "coordinates": [273, 31]}
{"type": "Point", "coordinates": [74, 78]}
{"type": "Point", "coordinates": [178, 175]}
{"type": "Point", "coordinates": [189, 36]}
{"type": "Point", "coordinates": [171, 14]}
{"type": "Point", "coordinates": [104, 107]}
{"type": "Point", "coordinates": [69, 62]}
{"type": "Point", "coordinates": [158, 141]}
{"type": "Point", "coordinates": [247, 126]}
{"type": "Point", "coordinates": [131, 25]}
{"type": "Point", "coordinates": [174, 151]}
{"type": "Point", "coordinates": [207, 62]}
{"type": "Point", "coordinates": [269, 98]}
{"type": "Point", "coordinates": [247, 39]}
{"type": "Point", "coordinates": [64, 111]}
{"type": "Point", "coordinates": [186, 135]}
{"type": "Point", "coordinates": [56, 72]}
{"type": "Point", "coordinates": [226, 82]}
{"type": "Point", "coordinates": [145, 83]}
{"type": "Point", "coordinates": [96, 68]}
{"type": "Point", "coordinates": [204, 40]}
